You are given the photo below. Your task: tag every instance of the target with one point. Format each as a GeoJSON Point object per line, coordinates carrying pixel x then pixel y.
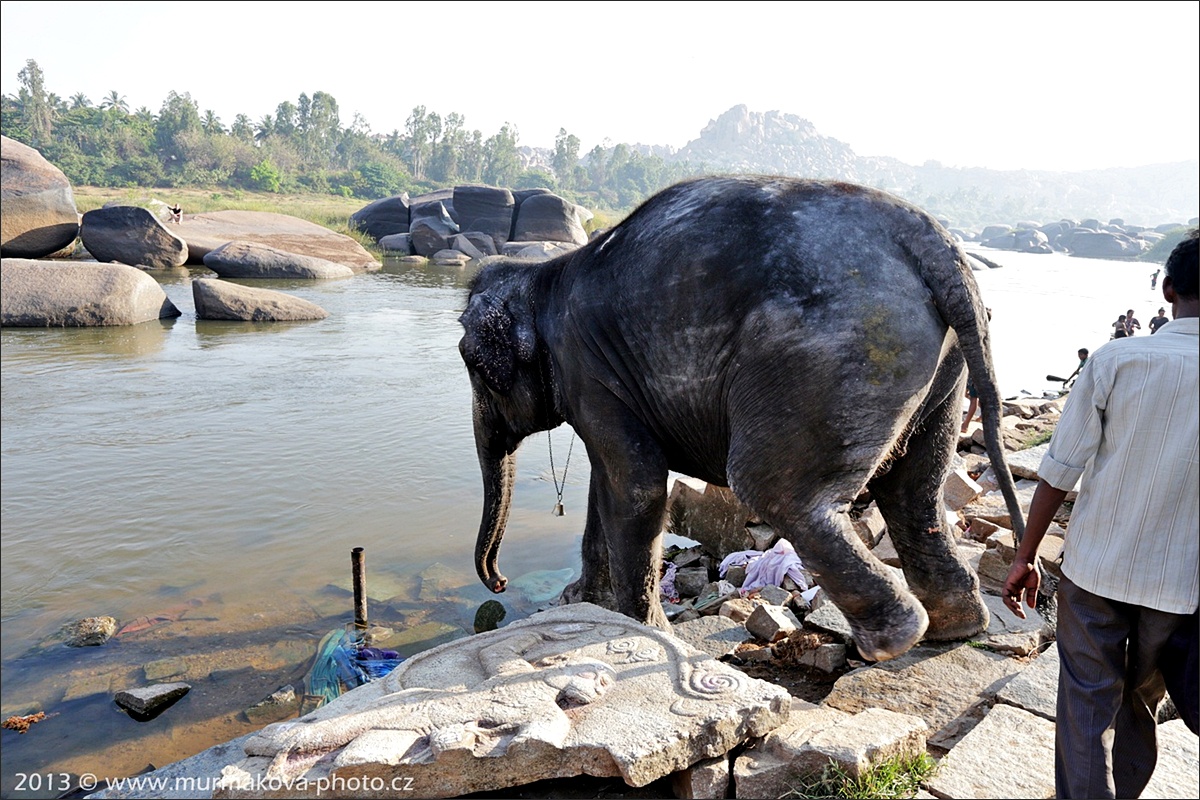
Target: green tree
{"type": "Point", "coordinates": [501, 164]}
{"type": "Point", "coordinates": [566, 157]}
{"type": "Point", "coordinates": [179, 114]}
{"type": "Point", "coordinates": [418, 131]}
{"type": "Point", "coordinates": [36, 110]}
{"type": "Point", "coordinates": [265, 176]}
{"type": "Point", "coordinates": [116, 101]}
{"type": "Point", "coordinates": [242, 129]}
{"type": "Point", "coordinates": [80, 100]}
{"type": "Point", "coordinates": [211, 123]}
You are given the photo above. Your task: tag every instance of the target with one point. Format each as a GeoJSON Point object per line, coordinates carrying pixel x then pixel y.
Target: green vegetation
{"type": "Point", "coordinates": [893, 778]}
{"type": "Point", "coordinates": [1158, 254]}
{"type": "Point", "coordinates": [304, 148]}
{"type": "Point", "coordinates": [1041, 437]}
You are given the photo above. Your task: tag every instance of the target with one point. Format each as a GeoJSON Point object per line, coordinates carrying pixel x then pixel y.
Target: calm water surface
{"type": "Point", "coordinates": [231, 467]}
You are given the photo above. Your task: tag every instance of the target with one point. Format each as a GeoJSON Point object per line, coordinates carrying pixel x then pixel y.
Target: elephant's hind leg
{"type": "Point", "coordinates": [885, 619]}
{"type": "Point", "coordinates": [909, 496]}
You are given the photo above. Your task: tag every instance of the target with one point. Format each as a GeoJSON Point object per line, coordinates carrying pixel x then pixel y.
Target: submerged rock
{"type": "Point", "coordinates": [148, 700]}
{"type": "Point", "coordinates": [89, 632]}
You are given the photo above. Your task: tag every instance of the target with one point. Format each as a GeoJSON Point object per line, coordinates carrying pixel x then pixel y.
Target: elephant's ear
{"type": "Point", "coordinates": [488, 346]}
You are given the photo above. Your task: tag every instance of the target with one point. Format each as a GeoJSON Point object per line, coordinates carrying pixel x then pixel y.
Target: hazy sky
{"type": "Point", "coordinates": [1039, 85]}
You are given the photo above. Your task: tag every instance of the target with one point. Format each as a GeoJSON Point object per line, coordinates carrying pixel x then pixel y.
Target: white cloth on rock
{"type": "Point", "coordinates": [767, 568]}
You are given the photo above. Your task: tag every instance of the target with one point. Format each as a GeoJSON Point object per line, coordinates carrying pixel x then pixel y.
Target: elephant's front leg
{"type": "Point", "coordinates": [595, 584]}
{"type": "Point", "coordinates": [627, 504]}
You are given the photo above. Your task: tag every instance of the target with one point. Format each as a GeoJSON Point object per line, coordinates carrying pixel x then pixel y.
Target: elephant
{"type": "Point", "coordinates": [799, 341]}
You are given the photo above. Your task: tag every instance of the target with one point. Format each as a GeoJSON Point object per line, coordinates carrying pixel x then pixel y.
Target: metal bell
{"type": "Point", "coordinates": [558, 509]}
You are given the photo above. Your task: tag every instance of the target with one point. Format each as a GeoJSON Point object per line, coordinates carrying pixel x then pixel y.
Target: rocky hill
{"type": "Point", "coordinates": [741, 140]}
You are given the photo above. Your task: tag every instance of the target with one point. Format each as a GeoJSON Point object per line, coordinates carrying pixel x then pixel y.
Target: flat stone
{"type": "Point", "coordinates": [940, 685]}
{"type": "Point", "coordinates": [768, 768]}
{"type": "Point", "coordinates": [771, 623]}
{"type": "Point", "coordinates": [960, 489]}
{"type": "Point", "coordinates": [710, 515]}
{"type": "Point", "coordinates": [1009, 754]}
{"type": "Point", "coordinates": [88, 687]}
{"type": "Point", "coordinates": [1177, 773]}
{"type": "Point", "coordinates": [691, 581]}
{"type": "Point", "coordinates": [208, 231]}
{"type": "Point", "coordinates": [148, 699]}
{"type": "Point", "coordinates": [288, 653]}
{"type": "Point", "coordinates": [775, 595]}
{"type": "Point", "coordinates": [705, 780]}
{"type": "Point", "coordinates": [715, 635]}
{"type": "Point", "coordinates": [736, 575]}
{"type": "Point", "coordinates": [763, 536]}
{"type": "Point", "coordinates": [738, 609]}
{"type": "Point", "coordinates": [826, 657]}
{"type": "Point", "coordinates": [827, 617]}
{"type": "Point", "coordinates": [572, 690]}
{"type": "Point", "coordinates": [1006, 632]}
{"type": "Point", "coordinates": [861, 741]}
{"type": "Point", "coordinates": [870, 526]}
{"type": "Point", "coordinates": [885, 551]}
{"type": "Point", "coordinates": [542, 585]}
{"type": "Point", "coordinates": [380, 586]}
{"type": "Point", "coordinates": [281, 703]}
{"type": "Point", "coordinates": [165, 668]}
{"type": "Point", "coordinates": [1036, 689]}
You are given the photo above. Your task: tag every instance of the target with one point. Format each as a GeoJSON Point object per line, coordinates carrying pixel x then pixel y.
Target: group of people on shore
{"type": "Point", "coordinates": [1127, 324]}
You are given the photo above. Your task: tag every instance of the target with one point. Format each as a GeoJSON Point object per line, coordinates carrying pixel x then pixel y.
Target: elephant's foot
{"type": "Point", "coordinates": [957, 615]}
{"type": "Point", "coordinates": [577, 593]}
{"type": "Point", "coordinates": [892, 632]}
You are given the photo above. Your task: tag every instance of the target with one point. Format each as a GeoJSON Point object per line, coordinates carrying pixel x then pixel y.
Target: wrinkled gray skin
{"type": "Point", "coordinates": [798, 341]}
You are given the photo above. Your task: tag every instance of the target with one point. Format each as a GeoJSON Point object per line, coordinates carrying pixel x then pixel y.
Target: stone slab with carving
{"type": "Point", "coordinates": [575, 690]}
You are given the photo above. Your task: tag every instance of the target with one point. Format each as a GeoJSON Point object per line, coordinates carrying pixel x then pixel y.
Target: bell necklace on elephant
{"type": "Point", "coordinates": [558, 507]}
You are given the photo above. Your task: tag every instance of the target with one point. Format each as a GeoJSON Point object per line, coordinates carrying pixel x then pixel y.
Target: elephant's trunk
{"type": "Point", "coordinates": [498, 475]}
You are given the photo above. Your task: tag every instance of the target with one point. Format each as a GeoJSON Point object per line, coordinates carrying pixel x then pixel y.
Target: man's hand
{"type": "Point", "coordinates": [1023, 581]}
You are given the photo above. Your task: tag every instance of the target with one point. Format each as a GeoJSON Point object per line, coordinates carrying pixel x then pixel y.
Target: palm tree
{"type": "Point", "coordinates": [80, 100]}
{"type": "Point", "coordinates": [211, 123]}
{"type": "Point", "coordinates": [116, 101]}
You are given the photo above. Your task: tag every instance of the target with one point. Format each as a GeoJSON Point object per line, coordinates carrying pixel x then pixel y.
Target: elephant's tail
{"type": "Point", "coordinates": [945, 270]}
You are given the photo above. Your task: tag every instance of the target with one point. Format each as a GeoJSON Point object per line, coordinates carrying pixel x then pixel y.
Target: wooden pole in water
{"type": "Point", "coordinates": [358, 569]}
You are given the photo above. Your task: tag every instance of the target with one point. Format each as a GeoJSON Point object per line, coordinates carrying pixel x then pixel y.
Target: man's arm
{"type": "Point", "coordinates": [1024, 577]}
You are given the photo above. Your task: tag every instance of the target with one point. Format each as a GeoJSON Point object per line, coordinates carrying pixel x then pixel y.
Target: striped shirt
{"type": "Point", "coordinates": [1130, 429]}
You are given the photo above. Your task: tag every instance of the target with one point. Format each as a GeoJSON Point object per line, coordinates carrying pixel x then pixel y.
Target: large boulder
{"type": "Point", "coordinates": [69, 294]}
{"type": "Point", "coordinates": [548, 218]}
{"type": "Point", "coordinates": [1100, 244]}
{"type": "Point", "coordinates": [217, 299]}
{"type": "Point", "coordinates": [443, 196]}
{"type": "Point", "coordinates": [431, 228]}
{"type": "Point", "coordinates": [39, 216]}
{"type": "Point", "coordinates": [132, 235]}
{"type": "Point", "coordinates": [382, 217]}
{"type": "Point", "coordinates": [485, 209]}
{"type": "Point", "coordinates": [208, 231]}
{"type": "Point", "coordinates": [253, 260]}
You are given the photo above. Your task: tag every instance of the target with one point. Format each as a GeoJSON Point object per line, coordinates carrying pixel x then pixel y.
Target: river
{"type": "Point", "coordinates": [229, 469]}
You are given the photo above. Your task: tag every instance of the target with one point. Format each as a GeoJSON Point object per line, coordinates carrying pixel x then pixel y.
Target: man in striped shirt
{"type": "Point", "coordinates": [1130, 429]}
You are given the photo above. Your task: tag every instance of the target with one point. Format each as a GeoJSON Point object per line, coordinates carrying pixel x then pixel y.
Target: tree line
{"type": "Point", "coordinates": [305, 147]}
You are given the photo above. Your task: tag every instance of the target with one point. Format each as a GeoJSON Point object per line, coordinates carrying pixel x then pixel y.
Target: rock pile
{"type": "Point", "coordinates": [1089, 238]}
{"type": "Point", "coordinates": [472, 222]}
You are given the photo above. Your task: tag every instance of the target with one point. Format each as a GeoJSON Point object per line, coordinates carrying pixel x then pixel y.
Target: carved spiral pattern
{"type": "Point", "coordinates": [706, 682]}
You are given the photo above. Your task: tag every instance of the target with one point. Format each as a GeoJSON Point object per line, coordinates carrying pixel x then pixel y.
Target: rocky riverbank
{"type": "Point", "coordinates": [984, 709]}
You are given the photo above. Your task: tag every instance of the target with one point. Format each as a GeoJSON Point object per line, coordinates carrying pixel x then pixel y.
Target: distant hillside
{"type": "Point", "coordinates": [741, 140]}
